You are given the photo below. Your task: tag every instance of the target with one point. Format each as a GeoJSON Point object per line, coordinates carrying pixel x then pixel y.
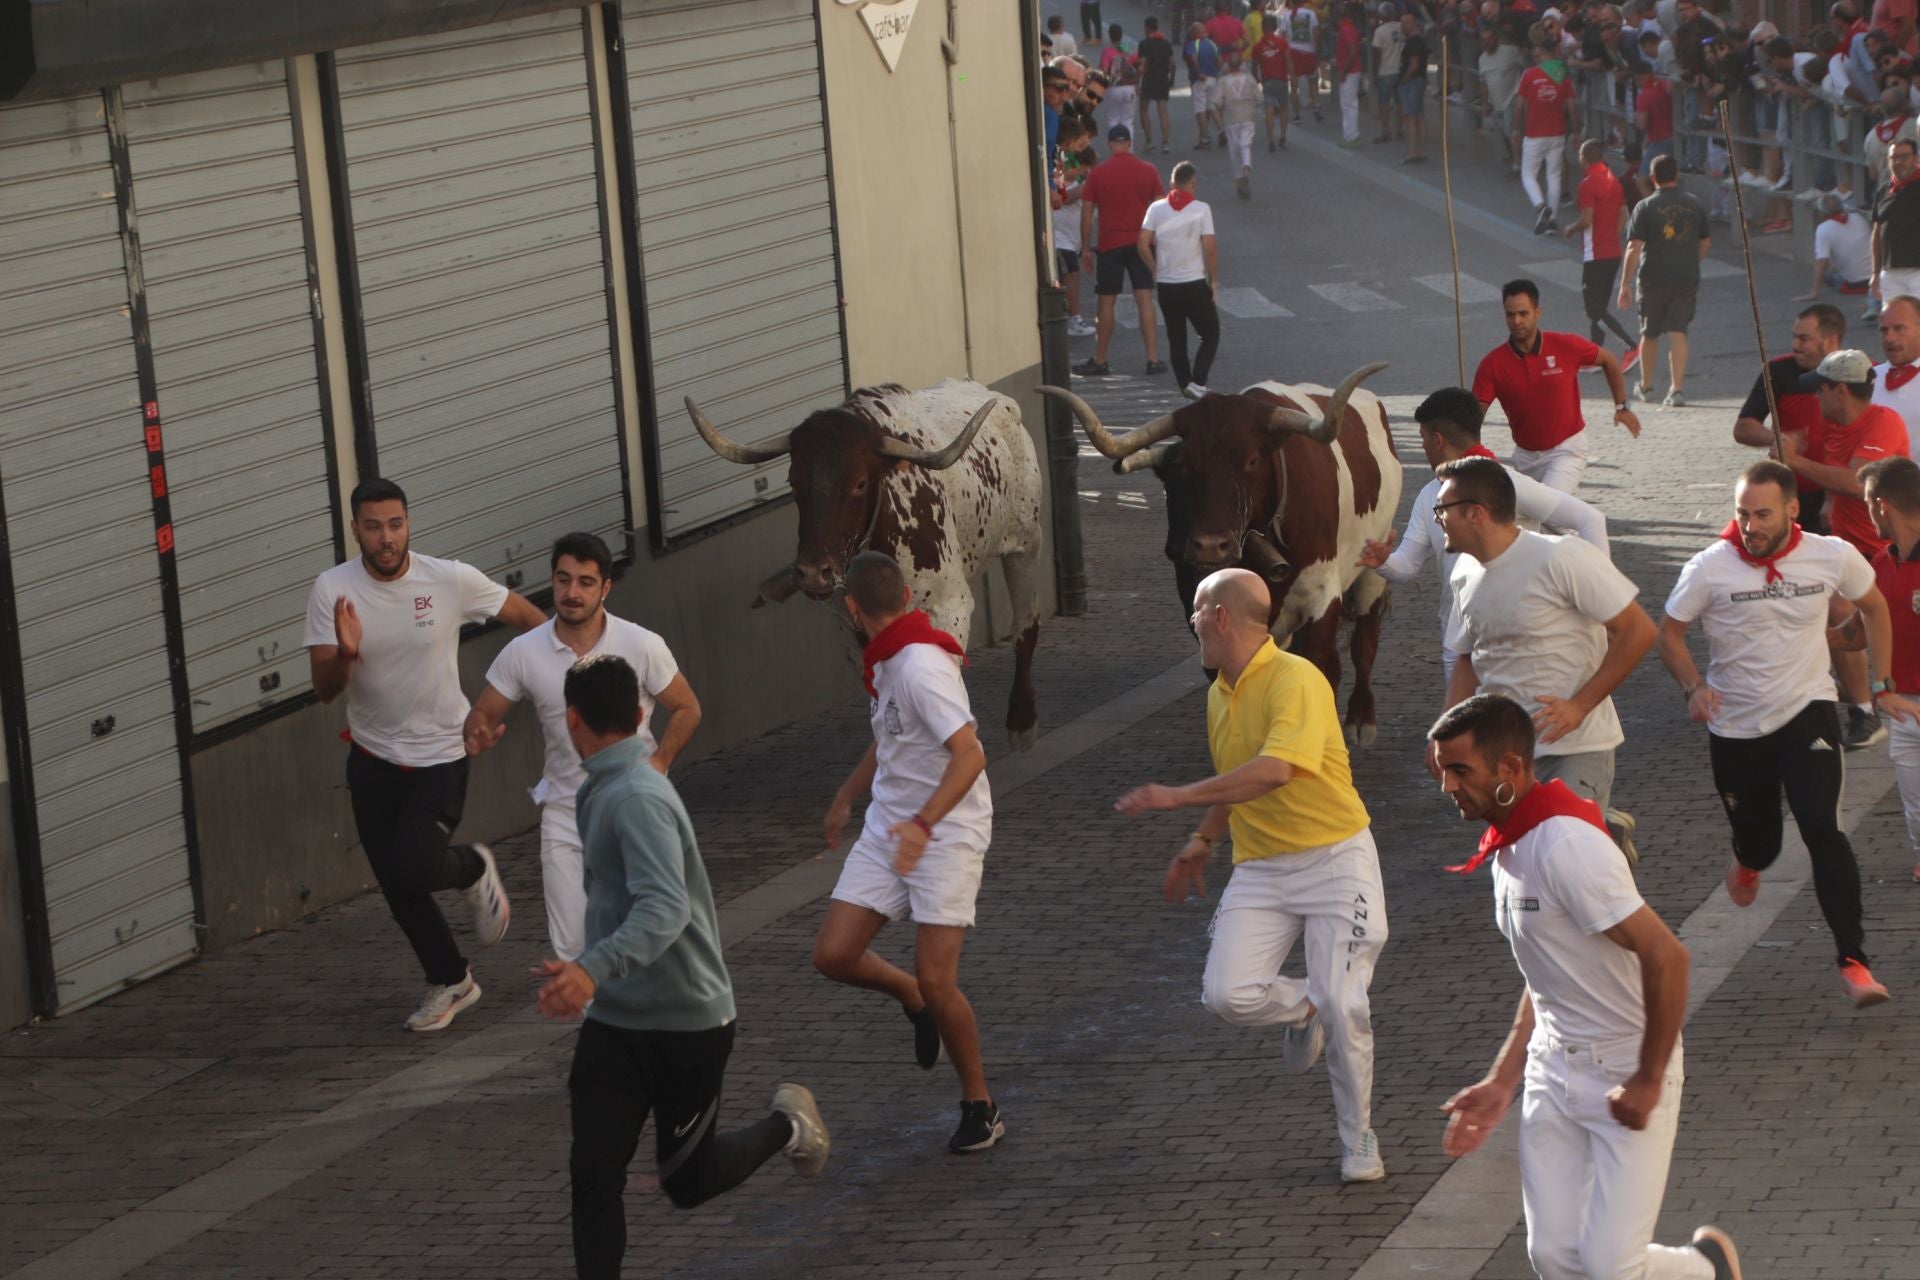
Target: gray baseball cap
{"type": "Point", "coordinates": [1854, 368]}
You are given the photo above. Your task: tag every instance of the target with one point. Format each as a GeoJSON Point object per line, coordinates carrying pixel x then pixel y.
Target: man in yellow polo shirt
{"type": "Point", "coordinates": [1303, 857]}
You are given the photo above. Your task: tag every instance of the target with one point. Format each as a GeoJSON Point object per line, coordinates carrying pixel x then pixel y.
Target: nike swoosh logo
{"type": "Point", "coordinates": [681, 1132]}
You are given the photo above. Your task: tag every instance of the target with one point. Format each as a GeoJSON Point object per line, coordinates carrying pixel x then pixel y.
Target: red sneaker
{"type": "Point", "coordinates": [1631, 360]}
{"type": "Point", "coordinates": [1743, 884]}
{"type": "Point", "coordinates": [1861, 988]}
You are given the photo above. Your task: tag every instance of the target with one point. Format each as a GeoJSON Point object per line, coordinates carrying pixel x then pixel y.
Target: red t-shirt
{"type": "Point", "coordinates": [1657, 101]}
{"type": "Point", "coordinates": [1226, 31]}
{"type": "Point", "coordinates": [1120, 188]}
{"type": "Point", "coordinates": [1600, 192]}
{"type": "Point", "coordinates": [1540, 390]}
{"type": "Point", "coordinates": [1547, 103]}
{"type": "Point", "coordinates": [1899, 582]}
{"type": "Point", "coordinates": [1272, 56]}
{"type": "Point", "coordinates": [1347, 58]}
{"type": "Point", "coordinates": [1878, 433]}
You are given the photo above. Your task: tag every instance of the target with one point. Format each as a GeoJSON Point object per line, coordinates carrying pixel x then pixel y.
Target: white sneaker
{"type": "Point", "coordinates": [436, 1011]}
{"type": "Point", "coordinates": [1363, 1163]}
{"type": "Point", "coordinates": [1302, 1044]}
{"type": "Point", "coordinates": [1077, 327]}
{"type": "Point", "coordinates": [1193, 391]}
{"type": "Point", "coordinates": [808, 1146]}
{"type": "Point", "coordinates": [488, 899]}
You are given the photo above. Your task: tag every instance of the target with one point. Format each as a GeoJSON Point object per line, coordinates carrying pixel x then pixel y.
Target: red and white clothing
{"type": "Point", "coordinates": [1273, 57]}
{"type": "Point", "coordinates": [1898, 388]}
{"type": "Point", "coordinates": [1600, 192]}
{"type": "Point", "coordinates": [1301, 26]}
{"type": "Point", "coordinates": [1877, 433]}
{"type": "Point", "coordinates": [1898, 578]}
{"type": "Point", "coordinates": [1543, 105]}
{"type": "Point", "coordinates": [1539, 390]}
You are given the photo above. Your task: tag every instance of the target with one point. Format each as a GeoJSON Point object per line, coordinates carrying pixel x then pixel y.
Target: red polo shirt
{"type": "Point", "coordinates": [1878, 433]}
{"type": "Point", "coordinates": [1120, 188]}
{"type": "Point", "coordinates": [1546, 102]}
{"type": "Point", "coordinates": [1899, 582]}
{"type": "Point", "coordinates": [1540, 390]}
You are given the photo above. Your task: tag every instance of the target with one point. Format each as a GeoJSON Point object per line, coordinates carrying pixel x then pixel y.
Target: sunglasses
{"type": "Point", "coordinates": [1096, 98]}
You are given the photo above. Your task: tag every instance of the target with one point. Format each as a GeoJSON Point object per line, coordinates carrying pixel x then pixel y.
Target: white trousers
{"type": "Point", "coordinates": [1240, 147]}
{"type": "Point", "coordinates": [1350, 108]}
{"type": "Point", "coordinates": [1592, 1187]}
{"type": "Point", "coordinates": [1903, 748]}
{"type": "Point", "coordinates": [563, 879]}
{"type": "Point", "coordinates": [1118, 107]}
{"type": "Point", "coordinates": [1897, 282]}
{"type": "Point", "coordinates": [1332, 895]}
{"type": "Point", "coordinates": [1559, 467]}
{"type": "Point", "coordinates": [1533, 153]}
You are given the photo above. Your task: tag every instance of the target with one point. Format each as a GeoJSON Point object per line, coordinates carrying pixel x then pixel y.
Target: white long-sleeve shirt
{"type": "Point", "coordinates": [1534, 504]}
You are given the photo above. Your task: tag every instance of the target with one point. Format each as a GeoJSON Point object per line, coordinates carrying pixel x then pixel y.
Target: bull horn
{"type": "Point", "coordinates": [1103, 440]}
{"type": "Point", "coordinates": [1327, 429]}
{"type": "Point", "coordinates": [1147, 459]}
{"type": "Point", "coordinates": [728, 449]}
{"type": "Point", "coordinates": [939, 459]}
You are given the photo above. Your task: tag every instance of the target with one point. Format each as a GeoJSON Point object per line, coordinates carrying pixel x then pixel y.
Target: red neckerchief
{"type": "Point", "coordinates": [1481, 451]}
{"type": "Point", "coordinates": [1899, 375]}
{"type": "Point", "coordinates": [909, 628]}
{"type": "Point", "coordinates": [1550, 799]}
{"type": "Point", "coordinates": [1840, 217]}
{"type": "Point", "coordinates": [1179, 199]}
{"type": "Point", "coordinates": [1895, 187]}
{"type": "Point", "coordinates": [1887, 128]}
{"type": "Point", "coordinates": [1770, 563]}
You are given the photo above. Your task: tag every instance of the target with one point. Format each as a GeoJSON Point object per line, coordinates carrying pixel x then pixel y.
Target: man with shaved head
{"type": "Point", "coordinates": [1303, 854]}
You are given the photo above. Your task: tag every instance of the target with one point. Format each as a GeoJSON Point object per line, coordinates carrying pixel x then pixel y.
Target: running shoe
{"type": "Point", "coordinates": [926, 1038]}
{"type": "Point", "coordinates": [488, 898]}
{"type": "Point", "coordinates": [1362, 1163]}
{"type": "Point", "coordinates": [1091, 368]}
{"type": "Point", "coordinates": [808, 1146]}
{"type": "Point", "coordinates": [1676, 399]}
{"type": "Point", "coordinates": [1156, 367]}
{"type": "Point", "coordinates": [979, 1129]}
{"type": "Point", "coordinates": [1864, 729]}
{"type": "Point", "coordinates": [1302, 1043]}
{"type": "Point", "coordinates": [1716, 1246]}
{"type": "Point", "coordinates": [1642, 391]}
{"type": "Point", "coordinates": [436, 1011]}
{"type": "Point", "coordinates": [1166, 148]}
{"type": "Point", "coordinates": [1872, 312]}
{"type": "Point", "coordinates": [1743, 883]}
{"type": "Point", "coordinates": [1860, 986]}
{"type": "Point", "coordinates": [1542, 216]}
{"type": "Point", "coordinates": [1194, 391]}
{"type": "Point", "coordinates": [1621, 825]}
{"type": "Point", "coordinates": [1245, 190]}
{"type": "Point", "coordinates": [1631, 360]}
{"type": "Point", "coordinates": [1776, 226]}
{"type": "Point", "coordinates": [1077, 327]}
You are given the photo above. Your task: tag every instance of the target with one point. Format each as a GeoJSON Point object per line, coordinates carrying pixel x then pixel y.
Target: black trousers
{"type": "Point", "coordinates": [1190, 302]}
{"type": "Point", "coordinates": [1090, 28]}
{"type": "Point", "coordinates": [406, 817]}
{"type": "Point", "coordinates": [1803, 758]}
{"type": "Point", "coordinates": [1596, 290]}
{"type": "Point", "coordinates": [618, 1077]}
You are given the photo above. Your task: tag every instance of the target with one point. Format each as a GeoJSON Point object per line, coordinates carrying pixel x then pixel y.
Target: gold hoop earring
{"type": "Point", "coordinates": [1510, 794]}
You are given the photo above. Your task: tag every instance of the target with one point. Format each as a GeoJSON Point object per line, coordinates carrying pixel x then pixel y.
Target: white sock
{"type": "Point", "coordinates": [1865, 706]}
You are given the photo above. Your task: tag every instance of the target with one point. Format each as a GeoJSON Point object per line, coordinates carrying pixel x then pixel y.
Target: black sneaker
{"type": "Point", "coordinates": [1864, 729]}
{"type": "Point", "coordinates": [1541, 218]}
{"type": "Point", "coordinates": [1156, 366]}
{"type": "Point", "coordinates": [1091, 368]}
{"type": "Point", "coordinates": [1716, 1246]}
{"type": "Point", "coordinates": [979, 1129]}
{"type": "Point", "coordinates": [926, 1038]}
{"type": "Point", "coordinates": [1553, 225]}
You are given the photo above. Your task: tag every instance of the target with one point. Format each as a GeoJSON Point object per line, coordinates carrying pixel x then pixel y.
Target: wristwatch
{"type": "Point", "coordinates": [1621, 407]}
{"type": "Point", "coordinates": [1880, 686]}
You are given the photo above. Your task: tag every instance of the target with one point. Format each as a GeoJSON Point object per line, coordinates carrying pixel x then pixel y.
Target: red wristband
{"type": "Point", "coordinates": [923, 824]}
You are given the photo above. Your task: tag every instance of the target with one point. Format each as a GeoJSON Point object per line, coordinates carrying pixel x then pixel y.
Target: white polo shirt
{"type": "Point", "coordinates": [1178, 255]}
{"type": "Point", "coordinates": [1556, 891]}
{"type": "Point", "coordinates": [920, 700]}
{"type": "Point", "coordinates": [1905, 402]}
{"type": "Point", "coordinates": [404, 703]}
{"type": "Point", "coordinates": [534, 665]}
{"type": "Point", "coordinates": [1767, 641]}
{"type": "Point", "coordinates": [1534, 622]}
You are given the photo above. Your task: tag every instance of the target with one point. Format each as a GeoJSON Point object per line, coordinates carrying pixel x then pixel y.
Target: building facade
{"type": "Point", "coordinates": [485, 251]}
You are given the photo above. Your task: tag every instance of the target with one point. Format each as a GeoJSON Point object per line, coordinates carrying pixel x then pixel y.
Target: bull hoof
{"type": "Point", "coordinates": [1022, 739]}
{"type": "Point", "coordinates": [1362, 735]}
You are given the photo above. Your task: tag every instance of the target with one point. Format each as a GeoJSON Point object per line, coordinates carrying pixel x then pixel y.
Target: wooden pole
{"type": "Point", "coordinates": [1753, 296]}
{"type": "Point", "coordinates": [1446, 181]}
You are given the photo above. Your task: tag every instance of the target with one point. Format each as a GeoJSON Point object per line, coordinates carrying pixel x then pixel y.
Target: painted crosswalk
{"type": "Point", "coordinates": [1349, 296]}
{"type": "Point", "coordinates": [1472, 290]}
{"type": "Point", "coordinates": [1565, 272]}
{"type": "Point", "coordinates": [1251, 304]}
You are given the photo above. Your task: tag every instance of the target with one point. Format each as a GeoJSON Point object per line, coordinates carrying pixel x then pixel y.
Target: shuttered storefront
{"type": "Point", "coordinates": [736, 236]}
{"type": "Point", "coordinates": [476, 224]}
{"type": "Point", "coordinates": [224, 258]}
{"type": "Point", "coordinates": [91, 635]}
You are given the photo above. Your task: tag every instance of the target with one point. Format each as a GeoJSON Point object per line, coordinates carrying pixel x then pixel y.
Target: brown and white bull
{"type": "Point", "coordinates": [942, 480]}
{"type": "Point", "coordinates": [1289, 481]}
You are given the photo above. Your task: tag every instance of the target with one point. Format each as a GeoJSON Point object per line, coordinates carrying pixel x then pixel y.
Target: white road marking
{"type": "Point", "coordinates": [1251, 304]}
{"type": "Point", "coordinates": [1564, 272]}
{"type": "Point", "coordinates": [1472, 290]}
{"type": "Point", "coordinates": [1354, 297]}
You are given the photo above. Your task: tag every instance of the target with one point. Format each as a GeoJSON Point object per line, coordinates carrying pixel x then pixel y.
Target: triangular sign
{"type": "Point", "coordinates": [887, 22]}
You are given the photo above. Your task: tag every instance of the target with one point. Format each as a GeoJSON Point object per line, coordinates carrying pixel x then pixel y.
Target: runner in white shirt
{"type": "Point", "coordinates": [535, 666]}
{"type": "Point", "coordinates": [1450, 421]}
{"type": "Point", "coordinates": [923, 842]}
{"type": "Point", "coordinates": [384, 629]}
{"type": "Point", "coordinates": [1177, 243]}
{"type": "Point", "coordinates": [1896, 381]}
{"type": "Point", "coordinates": [1765, 593]}
{"type": "Point", "coordinates": [1546, 621]}
{"type": "Point", "coordinates": [1595, 1041]}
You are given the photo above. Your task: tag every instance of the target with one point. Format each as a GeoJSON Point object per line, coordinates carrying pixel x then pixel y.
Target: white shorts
{"type": "Point", "coordinates": [1203, 97]}
{"type": "Point", "coordinates": [941, 889]}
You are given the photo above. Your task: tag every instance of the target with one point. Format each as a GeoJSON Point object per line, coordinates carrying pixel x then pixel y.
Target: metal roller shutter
{"type": "Point", "coordinates": [476, 221]}
{"type": "Point", "coordinates": [223, 254]}
{"type": "Point", "coordinates": [736, 238]}
{"type": "Point", "coordinates": [87, 595]}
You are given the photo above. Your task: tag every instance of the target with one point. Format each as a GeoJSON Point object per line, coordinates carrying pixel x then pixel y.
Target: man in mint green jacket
{"type": "Point", "coordinates": [654, 989]}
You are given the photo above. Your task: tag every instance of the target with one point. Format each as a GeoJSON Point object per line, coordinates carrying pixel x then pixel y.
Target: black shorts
{"type": "Point", "coordinates": [1156, 90]}
{"type": "Point", "coordinates": [1069, 261]}
{"type": "Point", "coordinates": [1666, 308]}
{"type": "Point", "coordinates": [1116, 263]}
{"type": "Point", "coordinates": [1596, 285]}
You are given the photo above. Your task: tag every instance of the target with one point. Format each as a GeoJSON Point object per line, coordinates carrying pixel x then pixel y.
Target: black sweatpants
{"type": "Point", "coordinates": [1596, 290]}
{"type": "Point", "coordinates": [406, 817]}
{"type": "Point", "coordinates": [618, 1077]}
{"type": "Point", "coordinates": [1803, 757]}
{"type": "Point", "coordinates": [1190, 302]}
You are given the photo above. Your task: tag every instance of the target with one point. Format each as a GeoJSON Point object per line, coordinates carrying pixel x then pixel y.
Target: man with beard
{"type": "Point", "coordinates": [1818, 332]}
{"type": "Point", "coordinates": [1765, 592]}
{"type": "Point", "coordinates": [1595, 1041]}
{"type": "Point", "coordinates": [535, 666]}
{"type": "Point", "coordinates": [384, 629]}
